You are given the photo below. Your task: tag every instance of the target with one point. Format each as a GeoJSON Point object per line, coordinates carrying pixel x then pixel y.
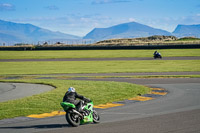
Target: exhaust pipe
{"type": "Point", "coordinates": [75, 111]}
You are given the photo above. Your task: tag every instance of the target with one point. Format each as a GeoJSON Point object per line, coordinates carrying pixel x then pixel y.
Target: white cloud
{"type": "Point", "coordinates": [195, 19]}
{"type": "Point", "coordinates": [7, 7]}
{"type": "Point", "coordinates": [52, 7]}
{"type": "Point", "coordinates": [109, 1]}
{"type": "Point", "coordinates": [131, 19]}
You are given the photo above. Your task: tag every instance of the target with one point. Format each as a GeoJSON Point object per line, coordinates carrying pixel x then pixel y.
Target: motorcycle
{"type": "Point", "coordinates": [75, 118]}
{"type": "Point", "coordinates": [157, 55]}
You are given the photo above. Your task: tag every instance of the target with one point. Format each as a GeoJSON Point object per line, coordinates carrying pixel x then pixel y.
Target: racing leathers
{"type": "Point", "coordinates": [71, 98]}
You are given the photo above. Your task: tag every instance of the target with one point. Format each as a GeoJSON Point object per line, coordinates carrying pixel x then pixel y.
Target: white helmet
{"type": "Point", "coordinates": [71, 89]}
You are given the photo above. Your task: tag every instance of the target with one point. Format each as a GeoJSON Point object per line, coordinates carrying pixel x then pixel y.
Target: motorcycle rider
{"type": "Point", "coordinates": [155, 53]}
{"type": "Point", "coordinates": [71, 95]}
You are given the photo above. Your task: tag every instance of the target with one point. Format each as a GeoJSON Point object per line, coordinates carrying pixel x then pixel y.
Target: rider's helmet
{"type": "Point", "coordinates": [71, 89]}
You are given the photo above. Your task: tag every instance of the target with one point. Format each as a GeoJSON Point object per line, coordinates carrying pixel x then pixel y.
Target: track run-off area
{"type": "Point", "coordinates": [172, 107]}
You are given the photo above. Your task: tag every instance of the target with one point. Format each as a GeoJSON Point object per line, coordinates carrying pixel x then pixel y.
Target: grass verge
{"type": "Point", "coordinates": [99, 66]}
{"type": "Point", "coordinates": [98, 91]}
{"type": "Point", "coordinates": [136, 76]}
{"type": "Point", "coordinates": [95, 53]}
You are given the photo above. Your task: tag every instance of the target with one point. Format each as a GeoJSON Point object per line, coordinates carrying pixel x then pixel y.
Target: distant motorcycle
{"type": "Point", "coordinates": [75, 118]}
{"type": "Point", "coordinates": [157, 55]}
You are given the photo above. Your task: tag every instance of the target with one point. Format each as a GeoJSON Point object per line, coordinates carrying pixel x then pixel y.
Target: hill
{"type": "Point", "coordinates": [27, 33]}
{"type": "Point", "coordinates": [151, 40]}
{"type": "Point", "coordinates": [126, 30]}
{"type": "Point", "coordinates": [187, 30]}
{"type": "Point", "coordinates": [156, 40]}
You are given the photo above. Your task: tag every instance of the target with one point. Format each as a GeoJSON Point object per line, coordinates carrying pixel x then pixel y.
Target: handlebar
{"type": "Point", "coordinates": [87, 100]}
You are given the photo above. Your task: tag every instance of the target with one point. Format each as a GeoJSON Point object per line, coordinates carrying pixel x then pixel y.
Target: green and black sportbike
{"type": "Point", "coordinates": [75, 118]}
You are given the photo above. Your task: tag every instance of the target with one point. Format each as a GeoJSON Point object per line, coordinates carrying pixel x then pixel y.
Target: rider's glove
{"type": "Point", "coordinates": [87, 99]}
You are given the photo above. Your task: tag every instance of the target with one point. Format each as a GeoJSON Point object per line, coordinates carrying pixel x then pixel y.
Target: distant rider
{"type": "Point", "coordinates": [71, 95]}
{"type": "Point", "coordinates": [155, 53]}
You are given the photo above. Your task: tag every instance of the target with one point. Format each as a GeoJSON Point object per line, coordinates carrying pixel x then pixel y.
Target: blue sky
{"type": "Point", "coordinates": [78, 17]}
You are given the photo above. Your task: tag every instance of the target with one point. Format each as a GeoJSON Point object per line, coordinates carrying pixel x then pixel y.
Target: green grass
{"type": "Point", "coordinates": [98, 66]}
{"type": "Point", "coordinates": [188, 39]}
{"type": "Point", "coordinates": [151, 76]}
{"type": "Point", "coordinates": [135, 76]}
{"type": "Point", "coordinates": [95, 53]}
{"type": "Point", "coordinates": [98, 91]}
{"type": "Point", "coordinates": [59, 77]}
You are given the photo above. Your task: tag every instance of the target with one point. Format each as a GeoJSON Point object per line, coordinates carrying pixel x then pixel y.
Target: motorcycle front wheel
{"type": "Point", "coordinates": [73, 119]}
{"type": "Point", "coordinates": [96, 117]}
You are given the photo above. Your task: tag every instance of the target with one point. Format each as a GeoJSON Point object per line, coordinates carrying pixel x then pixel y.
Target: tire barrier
{"type": "Point", "coordinates": [185, 46]}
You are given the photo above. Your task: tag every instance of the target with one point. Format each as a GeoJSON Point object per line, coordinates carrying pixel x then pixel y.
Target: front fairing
{"type": "Point", "coordinates": [88, 118]}
{"type": "Point", "coordinates": [89, 106]}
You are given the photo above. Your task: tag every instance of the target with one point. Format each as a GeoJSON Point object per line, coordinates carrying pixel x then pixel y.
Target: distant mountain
{"type": "Point", "coordinates": [12, 33]}
{"type": "Point", "coordinates": [27, 33]}
{"type": "Point", "coordinates": [126, 30]}
{"type": "Point", "coordinates": [187, 30]}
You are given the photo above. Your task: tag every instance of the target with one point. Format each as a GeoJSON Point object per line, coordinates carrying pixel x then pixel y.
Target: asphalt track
{"type": "Point", "coordinates": [176, 112]}
{"type": "Point", "coordinates": [102, 59]}
{"type": "Point", "coordinates": [12, 91]}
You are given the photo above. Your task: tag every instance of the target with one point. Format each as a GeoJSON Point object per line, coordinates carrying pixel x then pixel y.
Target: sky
{"type": "Point", "coordinates": [79, 17]}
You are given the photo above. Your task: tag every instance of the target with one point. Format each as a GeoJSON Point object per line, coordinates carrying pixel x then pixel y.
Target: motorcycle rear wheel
{"type": "Point", "coordinates": [73, 119]}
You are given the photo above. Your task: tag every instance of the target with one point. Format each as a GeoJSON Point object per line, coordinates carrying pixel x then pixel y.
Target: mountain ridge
{"type": "Point", "coordinates": [28, 33]}
{"type": "Point", "coordinates": [127, 30]}
{"type": "Point", "coordinates": [13, 33]}
{"type": "Point", "coordinates": [187, 30]}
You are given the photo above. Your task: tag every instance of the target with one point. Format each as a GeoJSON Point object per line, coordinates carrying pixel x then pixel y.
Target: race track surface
{"type": "Point", "coordinates": [102, 59]}
{"type": "Point", "coordinates": [11, 91]}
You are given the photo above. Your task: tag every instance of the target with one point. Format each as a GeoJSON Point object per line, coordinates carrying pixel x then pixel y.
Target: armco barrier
{"type": "Point", "coordinates": [100, 47]}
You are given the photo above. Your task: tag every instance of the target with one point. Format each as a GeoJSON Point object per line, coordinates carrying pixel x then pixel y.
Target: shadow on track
{"type": "Point", "coordinates": [46, 126]}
